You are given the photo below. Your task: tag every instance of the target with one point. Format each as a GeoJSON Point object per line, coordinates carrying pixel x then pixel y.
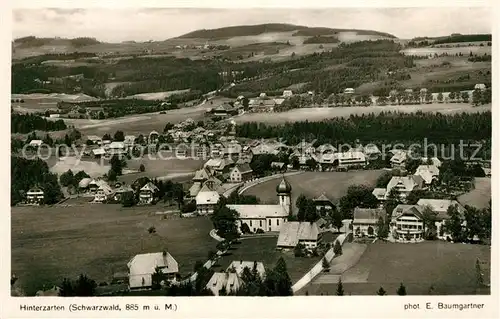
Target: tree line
{"type": "Point", "coordinates": [26, 123]}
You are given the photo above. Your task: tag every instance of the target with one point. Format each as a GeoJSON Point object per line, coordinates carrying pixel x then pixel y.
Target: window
{"type": "Point", "coordinates": [250, 223]}
{"type": "Point", "coordinates": [260, 223]}
{"type": "Point", "coordinates": [277, 222]}
{"type": "Point", "coordinates": [269, 222]}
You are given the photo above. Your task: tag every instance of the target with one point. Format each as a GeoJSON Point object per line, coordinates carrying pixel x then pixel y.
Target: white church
{"type": "Point", "coordinates": [267, 217]}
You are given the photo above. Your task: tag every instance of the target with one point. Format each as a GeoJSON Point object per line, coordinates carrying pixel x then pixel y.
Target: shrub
{"type": "Point", "coordinates": [152, 230]}
{"type": "Point", "coordinates": [259, 231]}
{"type": "Point", "coordinates": [142, 168]}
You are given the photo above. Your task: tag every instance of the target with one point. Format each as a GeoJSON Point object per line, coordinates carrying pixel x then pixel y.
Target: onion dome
{"type": "Point", "coordinates": [284, 187]}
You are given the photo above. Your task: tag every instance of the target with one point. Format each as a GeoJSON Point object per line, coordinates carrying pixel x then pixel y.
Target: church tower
{"type": "Point", "coordinates": [284, 190]}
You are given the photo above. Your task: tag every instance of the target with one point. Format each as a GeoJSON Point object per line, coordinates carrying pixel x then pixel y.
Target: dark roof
{"type": "Point", "coordinates": [284, 186]}
{"type": "Point", "coordinates": [244, 168]}
{"type": "Point", "coordinates": [368, 214]}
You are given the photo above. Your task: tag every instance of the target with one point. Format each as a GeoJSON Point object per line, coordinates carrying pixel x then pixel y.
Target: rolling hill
{"type": "Point", "coordinates": [249, 30]}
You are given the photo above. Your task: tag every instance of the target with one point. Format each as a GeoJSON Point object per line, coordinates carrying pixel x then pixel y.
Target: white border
{"type": "Point", "coordinates": [216, 307]}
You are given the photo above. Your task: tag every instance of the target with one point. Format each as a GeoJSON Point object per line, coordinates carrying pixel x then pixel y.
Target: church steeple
{"type": "Point", "coordinates": [284, 190]}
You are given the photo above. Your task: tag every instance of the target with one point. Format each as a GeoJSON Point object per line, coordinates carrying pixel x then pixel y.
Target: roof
{"type": "Point", "coordinates": [36, 142]}
{"type": "Point", "coordinates": [194, 189]}
{"type": "Point", "coordinates": [399, 157]}
{"type": "Point", "coordinates": [371, 149]}
{"type": "Point", "coordinates": [144, 265]}
{"type": "Point", "coordinates": [214, 162]}
{"type": "Point", "coordinates": [435, 161]}
{"type": "Point", "coordinates": [206, 196]}
{"type": "Point", "coordinates": [149, 187]}
{"type": "Point", "coordinates": [106, 189]}
{"type": "Point", "coordinates": [351, 155]}
{"type": "Point", "coordinates": [35, 190]}
{"type": "Point", "coordinates": [117, 145]}
{"type": "Point", "coordinates": [99, 151]}
{"type": "Point", "coordinates": [326, 148]}
{"type": "Point", "coordinates": [125, 189]}
{"type": "Point", "coordinates": [408, 183]}
{"type": "Point", "coordinates": [292, 232]}
{"type": "Point", "coordinates": [379, 192]}
{"type": "Point", "coordinates": [322, 198]}
{"type": "Point", "coordinates": [93, 138]}
{"type": "Point", "coordinates": [367, 215]}
{"type": "Point", "coordinates": [201, 174]}
{"type": "Point", "coordinates": [401, 209]}
{"type": "Point", "coordinates": [277, 164]}
{"type": "Point", "coordinates": [84, 182]}
{"type": "Point", "coordinates": [212, 180]}
{"type": "Point", "coordinates": [243, 168]}
{"type": "Point", "coordinates": [231, 281]}
{"type": "Point", "coordinates": [259, 211]}
{"type": "Point", "coordinates": [440, 206]}
{"type": "Point", "coordinates": [240, 265]}
{"type": "Point", "coordinates": [427, 172]}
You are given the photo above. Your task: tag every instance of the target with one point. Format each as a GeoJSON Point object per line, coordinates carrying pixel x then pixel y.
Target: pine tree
{"type": "Point", "coordinates": [340, 288]}
{"type": "Point", "coordinates": [381, 292]}
{"type": "Point", "coordinates": [401, 290]}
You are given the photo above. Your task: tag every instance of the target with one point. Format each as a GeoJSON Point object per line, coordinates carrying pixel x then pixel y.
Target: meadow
{"type": "Point", "coordinates": [51, 243]}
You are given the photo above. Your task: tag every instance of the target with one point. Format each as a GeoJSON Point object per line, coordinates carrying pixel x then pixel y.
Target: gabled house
{"type": "Point", "coordinates": [404, 184]}
{"type": "Point", "coordinates": [206, 199]}
{"type": "Point", "coordinates": [201, 175]}
{"type": "Point", "coordinates": [294, 233]}
{"type": "Point", "coordinates": [143, 266]}
{"type": "Point", "coordinates": [241, 173]}
{"type": "Point", "coordinates": [429, 173]}
{"type": "Point", "coordinates": [122, 190]}
{"type": "Point", "coordinates": [94, 185]}
{"type": "Point", "coordinates": [440, 207]}
{"type": "Point", "coordinates": [407, 223]}
{"type": "Point", "coordinates": [351, 159]}
{"type": "Point", "coordinates": [36, 143]}
{"type": "Point", "coordinates": [323, 203]}
{"type": "Point", "coordinates": [229, 282]}
{"type": "Point", "coordinates": [194, 189]}
{"type": "Point", "coordinates": [365, 221]}
{"type": "Point", "coordinates": [35, 196]}
{"type": "Point", "coordinates": [398, 160]}
{"type": "Point", "coordinates": [349, 91]}
{"type": "Point", "coordinates": [117, 148]}
{"type": "Point", "coordinates": [379, 193]}
{"type": "Point", "coordinates": [287, 93]}
{"type": "Point", "coordinates": [103, 193]}
{"type": "Point", "coordinates": [147, 193]}
{"type": "Point", "coordinates": [480, 86]}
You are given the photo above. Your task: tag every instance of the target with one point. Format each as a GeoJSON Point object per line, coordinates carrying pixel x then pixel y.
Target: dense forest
{"type": "Point", "coordinates": [29, 173]}
{"type": "Point", "coordinates": [321, 39]}
{"type": "Point", "coordinates": [32, 41]}
{"type": "Point", "coordinates": [386, 127]}
{"type": "Point", "coordinates": [26, 123]}
{"type": "Point", "coordinates": [464, 38]}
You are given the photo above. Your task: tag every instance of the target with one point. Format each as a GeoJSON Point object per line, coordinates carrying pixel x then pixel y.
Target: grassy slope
{"type": "Point", "coordinates": [98, 240]}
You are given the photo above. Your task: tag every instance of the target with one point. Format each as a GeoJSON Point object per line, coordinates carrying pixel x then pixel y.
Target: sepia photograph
{"type": "Point", "coordinates": [257, 152]}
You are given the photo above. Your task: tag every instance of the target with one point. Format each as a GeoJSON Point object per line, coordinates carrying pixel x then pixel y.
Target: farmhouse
{"type": "Point", "coordinates": [407, 223]}
{"type": "Point", "coordinates": [294, 233]}
{"type": "Point", "coordinates": [98, 152]}
{"type": "Point", "coordinates": [143, 266]}
{"type": "Point", "coordinates": [117, 148]}
{"type": "Point", "coordinates": [266, 217]}
{"type": "Point", "coordinates": [35, 196]}
{"type": "Point", "coordinates": [83, 185]}
{"type": "Point", "coordinates": [147, 193]}
{"type": "Point", "coordinates": [201, 175]}
{"type": "Point", "coordinates": [287, 93]}
{"type": "Point", "coordinates": [103, 193]}
{"type": "Point", "coordinates": [440, 207]}
{"type": "Point", "coordinates": [94, 139]}
{"type": "Point", "coordinates": [122, 190]}
{"type": "Point", "coordinates": [428, 173]}
{"type": "Point", "coordinates": [404, 184]}
{"type": "Point", "coordinates": [206, 199]}
{"type": "Point", "coordinates": [94, 185]}
{"type": "Point", "coordinates": [241, 173]}
{"type": "Point", "coordinates": [398, 160]}
{"type": "Point", "coordinates": [194, 189]}
{"type": "Point", "coordinates": [365, 221]}
{"type": "Point", "coordinates": [323, 204]}
{"type": "Point", "coordinates": [379, 193]}
{"type": "Point", "coordinates": [351, 159]}
{"type": "Point", "coordinates": [349, 91]}
{"type": "Point", "coordinates": [228, 282]}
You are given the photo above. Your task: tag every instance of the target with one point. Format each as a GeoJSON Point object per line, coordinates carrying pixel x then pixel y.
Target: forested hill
{"type": "Point", "coordinates": [249, 30]}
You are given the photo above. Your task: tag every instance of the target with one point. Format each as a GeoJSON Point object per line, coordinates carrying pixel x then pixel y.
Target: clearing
{"type": "Point", "coordinates": [50, 243]}
{"type": "Point", "coordinates": [447, 268]}
{"type": "Point", "coordinates": [313, 184]}
{"type": "Point", "coordinates": [323, 113]}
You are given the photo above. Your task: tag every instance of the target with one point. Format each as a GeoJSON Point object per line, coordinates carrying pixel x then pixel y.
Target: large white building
{"type": "Point", "coordinates": [143, 266]}
{"type": "Point", "coordinates": [267, 217]}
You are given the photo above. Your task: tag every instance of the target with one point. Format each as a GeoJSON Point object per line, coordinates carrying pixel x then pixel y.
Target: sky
{"type": "Point", "coordinates": [143, 24]}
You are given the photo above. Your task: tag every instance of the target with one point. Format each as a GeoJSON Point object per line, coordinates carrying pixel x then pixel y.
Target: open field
{"type": "Point", "coordinates": [40, 102]}
{"type": "Point", "coordinates": [322, 113]}
{"type": "Point", "coordinates": [479, 50]}
{"type": "Point", "coordinates": [313, 184]}
{"type": "Point", "coordinates": [480, 196]}
{"type": "Point", "coordinates": [50, 243]}
{"type": "Point", "coordinates": [156, 95]}
{"type": "Point", "coordinates": [143, 123]}
{"type": "Point", "coordinates": [156, 168]}
{"type": "Point", "coordinates": [448, 268]}
{"type": "Point", "coordinates": [264, 250]}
